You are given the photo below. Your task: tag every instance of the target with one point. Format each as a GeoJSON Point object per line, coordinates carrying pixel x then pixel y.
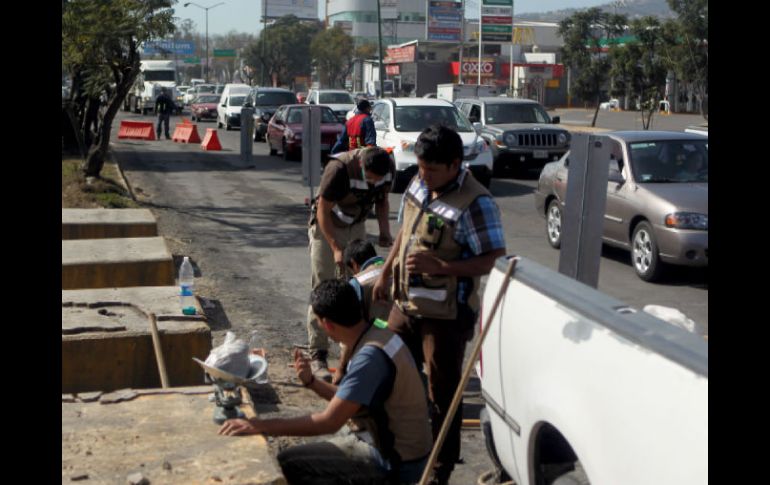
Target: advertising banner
{"type": "Point", "coordinates": [396, 55]}
{"type": "Point", "coordinates": [444, 21]}
{"type": "Point", "coordinates": [179, 47]}
{"type": "Point", "coordinates": [497, 21]}
{"type": "Point", "coordinates": [303, 9]}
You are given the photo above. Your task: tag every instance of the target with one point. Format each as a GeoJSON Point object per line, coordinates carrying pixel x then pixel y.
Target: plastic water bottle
{"type": "Point", "coordinates": [187, 287]}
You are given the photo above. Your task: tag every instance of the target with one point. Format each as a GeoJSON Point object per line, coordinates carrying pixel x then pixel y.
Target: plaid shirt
{"type": "Point", "coordinates": [479, 229]}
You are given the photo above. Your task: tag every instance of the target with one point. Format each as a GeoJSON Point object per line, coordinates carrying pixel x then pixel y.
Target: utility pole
{"type": "Point", "coordinates": [462, 43]}
{"type": "Point", "coordinates": [379, 51]}
{"type": "Point", "coordinates": [206, 77]}
{"type": "Point", "coordinates": [264, 39]}
{"type": "Point", "coordinates": [478, 69]}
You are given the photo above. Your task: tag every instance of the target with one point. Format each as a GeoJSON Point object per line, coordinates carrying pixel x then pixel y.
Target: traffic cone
{"type": "Point", "coordinates": [211, 140]}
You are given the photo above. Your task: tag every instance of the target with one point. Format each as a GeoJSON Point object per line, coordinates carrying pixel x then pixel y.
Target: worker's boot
{"type": "Point", "coordinates": [319, 366]}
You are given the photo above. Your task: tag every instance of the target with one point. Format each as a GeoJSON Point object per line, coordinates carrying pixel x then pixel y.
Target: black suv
{"type": "Point", "coordinates": [519, 132]}
{"type": "Point", "coordinates": [265, 102]}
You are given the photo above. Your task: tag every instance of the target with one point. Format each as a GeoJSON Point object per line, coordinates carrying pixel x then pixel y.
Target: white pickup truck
{"type": "Point", "coordinates": [580, 388]}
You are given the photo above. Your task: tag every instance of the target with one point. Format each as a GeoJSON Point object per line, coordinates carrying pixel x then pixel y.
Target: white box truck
{"type": "Point", "coordinates": [153, 75]}
{"type": "Point", "coordinates": [451, 92]}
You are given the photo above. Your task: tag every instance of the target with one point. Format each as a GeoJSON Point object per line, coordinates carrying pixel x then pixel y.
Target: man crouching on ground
{"type": "Point", "coordinates": [388, 438]}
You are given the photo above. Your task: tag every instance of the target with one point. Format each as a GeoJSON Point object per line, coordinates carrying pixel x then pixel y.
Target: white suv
{"type": "Point", "coordinates": [339, 100]}
{"type": "Point", "coordinates": [399, 121]}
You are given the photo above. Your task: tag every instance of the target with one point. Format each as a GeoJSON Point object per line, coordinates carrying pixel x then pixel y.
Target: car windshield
{"type": "Point", "coordinates": [417, 118]}
{"type": "Point", "coordinates": [497, 114]}
{"type": "Point", "coordinates": [237, 100]}
{"type": "Point", "coordinates": [203, 88]}
{"type": "Point", "coordinates": [295, 116]}
{"type": "Point", "coordinates": [335, 98]}
{"type": "Point", "coordinates": [159, 76]}
{"type": "Point", "coordinates": [219, 89]}
{"type": "Point", "coordinates": [209, 98]}
{"type": "Point", "coordinates": [274, 98]}
{"type": "Point", "coordinates": [670, 161]}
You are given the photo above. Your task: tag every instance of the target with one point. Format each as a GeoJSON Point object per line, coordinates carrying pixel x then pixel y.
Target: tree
{"type": "Point", "coordinates": [282, 50]}
{"type": "Point", "coordinates": [584, 35]}
{"type": "Point", "coordinates": [99, 49]}
{"type": "Point", "coordinates": [686, 46]}
{"type": "Point", "coordinates": [332, 52]}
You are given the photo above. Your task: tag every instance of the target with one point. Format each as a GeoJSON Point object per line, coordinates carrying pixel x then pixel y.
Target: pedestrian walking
{"type": "Point", "coordinates": [164, 106]}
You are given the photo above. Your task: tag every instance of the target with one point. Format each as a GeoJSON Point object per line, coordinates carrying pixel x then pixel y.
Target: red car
{"type": "Point", "coordinates": [204, 107]}
{"type": "Point", "coordinates": [284, 131]}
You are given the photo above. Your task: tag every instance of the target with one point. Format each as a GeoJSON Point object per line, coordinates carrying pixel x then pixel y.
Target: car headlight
{"type": "Point", "coordinates": [562, 138]}
{"type": "Point", "coordinates": [687, 220]}
{"type": "Point", "coordinates": [510, 140]}
{"type": "Point", "coordinates": [407, 146]}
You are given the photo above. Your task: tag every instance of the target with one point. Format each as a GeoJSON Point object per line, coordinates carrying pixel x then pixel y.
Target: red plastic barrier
{"type": "Point", "coordinates": [211, 140]}
{"type": "Point", "coordinates": [136, 130]}
{"type": "Point", "coordinates": [186, 132]}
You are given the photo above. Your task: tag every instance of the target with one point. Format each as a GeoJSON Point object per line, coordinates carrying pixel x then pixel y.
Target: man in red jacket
{"type": "Point", "coordinates": [359, 130]}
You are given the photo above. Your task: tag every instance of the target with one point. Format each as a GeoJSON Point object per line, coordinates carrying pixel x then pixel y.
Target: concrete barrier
{"type": "Point", "coordinates": [107, 345]}
{"type": "Point", "coordinates": [116, 263]}
{"type": "Point", "coordinates": [169, 437]}
{"type": "Point", "coordinates": [107, 223]}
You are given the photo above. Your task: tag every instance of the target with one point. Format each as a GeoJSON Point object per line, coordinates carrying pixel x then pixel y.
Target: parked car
{"type": "Point", "coordinates": [610, 105]}
{"type": "Point", "coordinates": [230, 103]}
{"type": "Point", "coordinates": [339, 100]}
{"type": "Point", "coordinates": [284, 131]}
{"type": "Point", "coordinates": [219, 88]}
{"type": "Point", "coordinates": [204, 107]}
{"type": "Point", "coordinates": [657, 199]}
{"type": "Point", "coordinates": [580, 388]}
{"type": "Point", "coordinates": [265, 102]}
{"type": "Point", "coordinates": [519, 132]}
{"type": "Point", "coordinates": [399, 121]}
{"type": "Point", "coordinates": [181, 91]}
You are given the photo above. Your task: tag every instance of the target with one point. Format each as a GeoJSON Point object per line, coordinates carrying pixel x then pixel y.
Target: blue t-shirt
{"type": "Point", "coordinates": [369, 380]}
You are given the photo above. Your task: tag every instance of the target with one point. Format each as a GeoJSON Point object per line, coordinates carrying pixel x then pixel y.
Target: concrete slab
{"type": "Point", "coordinates": [107, 223]}
{"type": "Point", "coordinates": [167, 437]}
{"type": "Point", "coordinates": [116, 263]}
{"type": "Point", "coordinates": [107, 344]}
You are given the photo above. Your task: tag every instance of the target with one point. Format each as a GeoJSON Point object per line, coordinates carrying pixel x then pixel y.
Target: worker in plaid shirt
{"type": "Point", "coordinates": [451, 235]}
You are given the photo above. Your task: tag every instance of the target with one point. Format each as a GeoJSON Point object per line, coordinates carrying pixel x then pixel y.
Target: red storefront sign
{"type": "Point", "coordinates": [396, 55]}
{"type": "Point", "coordinates": [393, 70]}
{"type": "Point", "coordinates": [472, 68]}
{"type": "Point", "coordinates": [498, 20]}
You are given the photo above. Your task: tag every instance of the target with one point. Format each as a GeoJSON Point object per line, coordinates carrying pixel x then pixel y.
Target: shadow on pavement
{"type": "Point", "coordinates": [195, 161]}
{"type": "Point", "coordinates": [673, 275]}
{"type": "Point", "coordinates": [215, 314]}
{"type": "Point", "coordinates": [509, 188]}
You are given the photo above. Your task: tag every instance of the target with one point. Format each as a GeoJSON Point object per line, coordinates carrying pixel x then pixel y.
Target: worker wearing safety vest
{"type": "Point", "coordinates": [451, 235]}
{"type": "Point", "coordinates": [352, 182]}
{"type": "Point", "coordinates": [382, 399]}
{"type": "Point", "coordinates": [359, 130]}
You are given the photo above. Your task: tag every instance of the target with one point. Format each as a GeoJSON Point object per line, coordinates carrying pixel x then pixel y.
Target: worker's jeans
{"type": "Point", "coordinates": [322, 268]}
{"type": "Point", "coordinates": [440, 344]}
{"type": "Point", "coordinates": [343, 459]}
{"type": "Point", "coordinates": [163, 118]}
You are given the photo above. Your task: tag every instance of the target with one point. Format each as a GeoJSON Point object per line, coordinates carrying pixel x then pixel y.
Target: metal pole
{"type": "Point", "coordinates": [264, 39]}
{"type": "Point", "coordinates": [379, 50]}
{"type": "Point", "coordinates": [510, 62]}
{"type": "Point", "coordinates": [478, 69]}
{"type": "Point", "coordinates": [462, 43]}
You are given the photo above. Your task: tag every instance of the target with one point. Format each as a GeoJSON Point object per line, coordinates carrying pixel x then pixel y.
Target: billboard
{"type": "Point", "coordinates": [444, 21]}
{"type": "Point", "coordinates": [497, 21]}
{"type": "Point", "coordinates": [396, 55]}
{"type": "Point", "coordinates": [388, 9]}
{"type": "Point", "coordinates": [179, 47]}
{"type": "Point", "coordinates": [303, 9]}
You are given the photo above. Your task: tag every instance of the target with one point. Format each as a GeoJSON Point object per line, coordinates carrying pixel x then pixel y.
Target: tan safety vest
{"type": "Point", "coordinates": [367, 278]}
{"type": "Point", "coordinates": [355, 206]}
{"type": "Point", "coordinates": [432, 229]}
{"type": "Point", "coordinates": [407, 405]}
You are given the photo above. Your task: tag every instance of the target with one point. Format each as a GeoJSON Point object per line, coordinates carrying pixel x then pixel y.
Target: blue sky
{"type": "Point", "coordinates": [244, 15]}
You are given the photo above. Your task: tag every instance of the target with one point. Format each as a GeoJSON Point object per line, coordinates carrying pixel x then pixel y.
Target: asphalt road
{"type": "Point", "coordinates": [244, 225]}
{"type": "Point", "coordinates": [626, 120]}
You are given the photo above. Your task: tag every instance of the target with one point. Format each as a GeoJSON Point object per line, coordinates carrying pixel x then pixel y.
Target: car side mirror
{"type": "Point", "coordinates": [477, 126]}
{"type": "Point", "coordinates": [614, 174]}
{"type": "Point", "coordinates": [380, 125]}
{"type": "Point", "coordinates": [556, 120]}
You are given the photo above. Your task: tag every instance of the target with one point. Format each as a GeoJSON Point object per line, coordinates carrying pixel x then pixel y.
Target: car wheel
{"type": "Point", "coordinates": [219, 125]}
{"type": "Point", "coordinates": [227, 126]}
{"type": "Point", "coordinates": [644, 252]}
{"type": "Point", "coordinates": [553, 218]}
{"type": "Point", "coordinates": [575, 477]}
{"type": "Point", "coordinates": [192, 117]}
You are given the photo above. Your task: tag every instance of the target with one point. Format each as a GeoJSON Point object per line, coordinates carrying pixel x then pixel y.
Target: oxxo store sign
{"type": "Point", "coordinates": [470, 68]}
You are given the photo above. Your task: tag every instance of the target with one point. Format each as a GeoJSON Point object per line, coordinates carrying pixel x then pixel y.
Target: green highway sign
{"type": "Point", "coordinates": [192, 60]}
{"type": "Point", "coordinates": [497, 29]}
{"type": "Point", "coordinates": [224, 52]}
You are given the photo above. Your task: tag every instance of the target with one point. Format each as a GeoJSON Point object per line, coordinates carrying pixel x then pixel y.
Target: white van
{"type": "Point", "coordinates": [230, 103]}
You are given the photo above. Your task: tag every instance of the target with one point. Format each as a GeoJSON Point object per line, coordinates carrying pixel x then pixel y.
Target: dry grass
{"type": "Point", "coordinates": [106, 191]}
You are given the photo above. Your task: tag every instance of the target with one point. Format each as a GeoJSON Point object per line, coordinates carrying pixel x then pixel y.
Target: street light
{"type": "Point", "coordinates": [207, 30]}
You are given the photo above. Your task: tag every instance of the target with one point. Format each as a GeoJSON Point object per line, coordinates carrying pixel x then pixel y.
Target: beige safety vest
{"type": "Point", "coordinates": [407, 405]}
{"type": "Point", "coordinates": [367, 278]}
{"type": "Point", "coordinates": [432, 229]}
{"type": "Point", "coordinates": [355, 206]}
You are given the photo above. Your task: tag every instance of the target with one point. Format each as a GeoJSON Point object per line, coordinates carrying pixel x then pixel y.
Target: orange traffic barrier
{"type": "Point", "coordinates": [186, 132]}
{"type": "Point", "coordinates": [211, 140]}
{"type": "Point", "coordinates": [136, 130]}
